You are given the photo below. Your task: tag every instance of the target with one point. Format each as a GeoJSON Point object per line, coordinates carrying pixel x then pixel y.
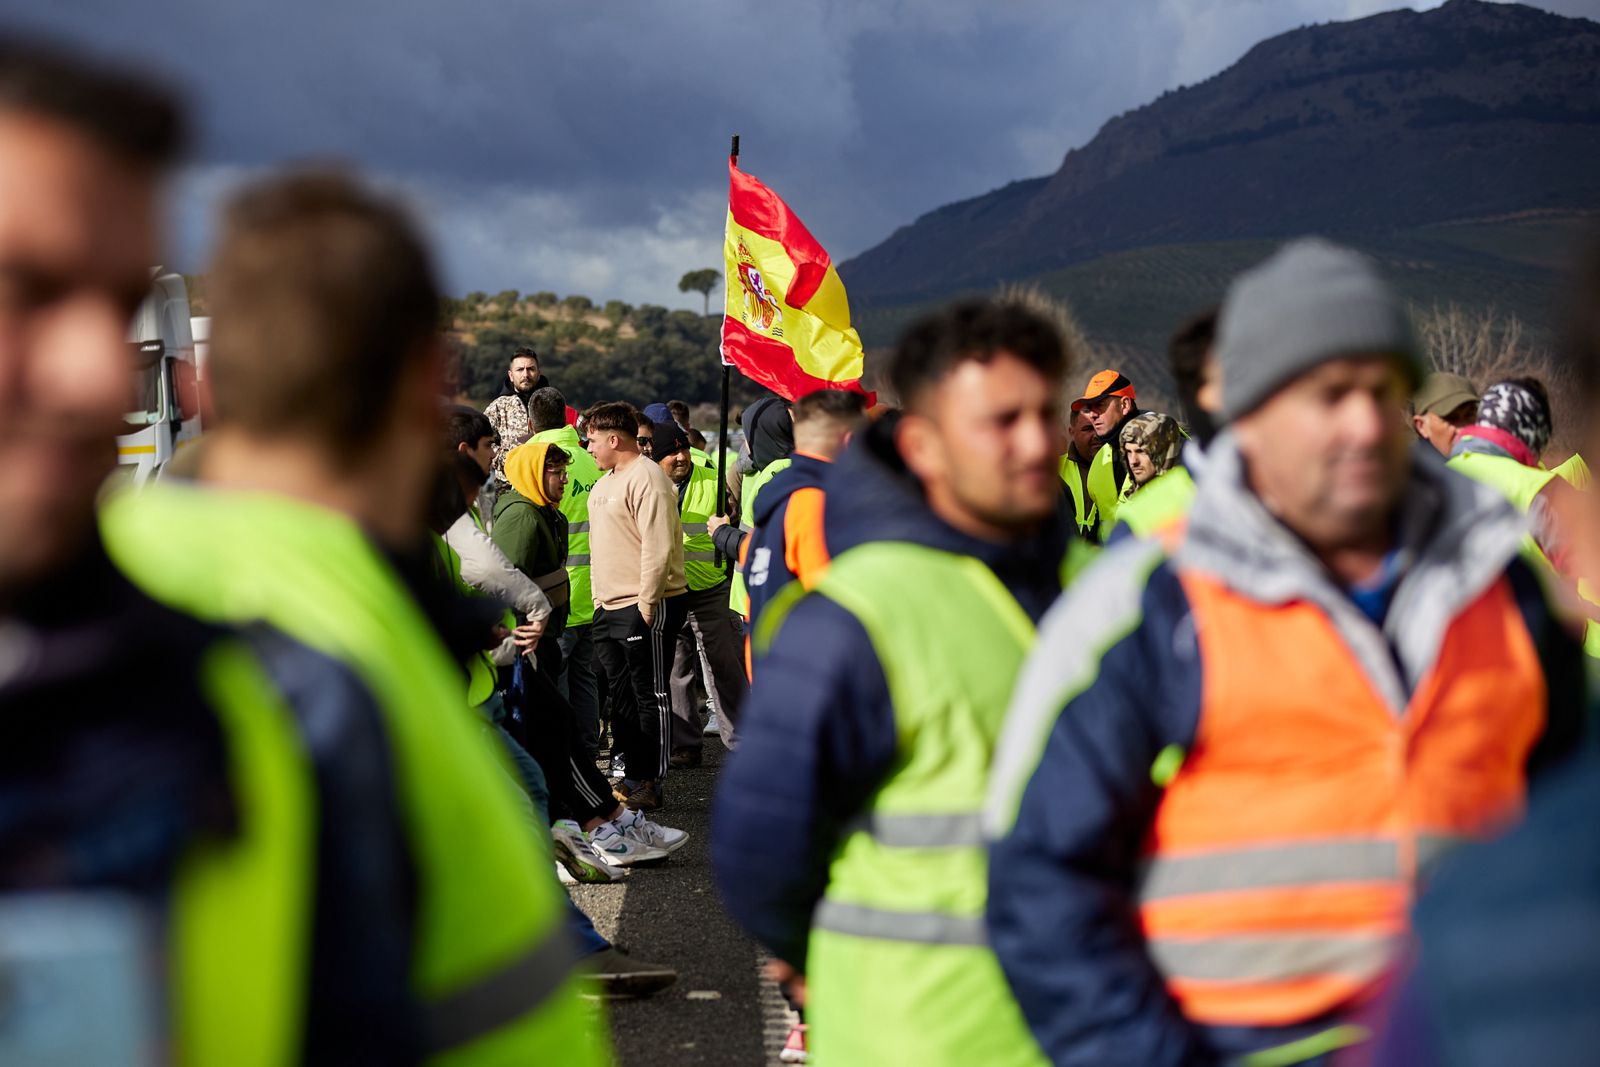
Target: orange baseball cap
{"type": "Point", "coordinates": [1106, 383]}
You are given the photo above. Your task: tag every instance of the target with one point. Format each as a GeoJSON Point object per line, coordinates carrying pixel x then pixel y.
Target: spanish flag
{"type": "Point", "coordinates": [787, 324]}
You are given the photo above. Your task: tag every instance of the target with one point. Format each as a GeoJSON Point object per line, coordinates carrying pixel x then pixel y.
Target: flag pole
{"type": "Point", "coordinates": [722, 427]}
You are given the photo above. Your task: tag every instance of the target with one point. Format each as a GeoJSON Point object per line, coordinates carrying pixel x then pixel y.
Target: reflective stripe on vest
{"type": "Point", "coordinates": [700, 569]}
{"type": "Point", "coordinates": [1285, 850]}
{"type": "Point", "coordinates": [907, 884]}
{"type": "Point", "coordinates": [484, 890]}
{"type": "Point", "coordinates": [907, 830]}
{"type": "Point", "coordinates": [929, 927]}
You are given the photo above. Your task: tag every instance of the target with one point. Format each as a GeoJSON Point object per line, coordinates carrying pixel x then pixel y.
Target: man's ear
{"type": "Point", "coordinates": [461, 448]}
{"type": "Point", "coordinates": [1417, 422]}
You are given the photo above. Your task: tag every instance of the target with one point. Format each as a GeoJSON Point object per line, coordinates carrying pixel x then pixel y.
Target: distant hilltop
{"type": "Point", "coordinates": [1361, 130]}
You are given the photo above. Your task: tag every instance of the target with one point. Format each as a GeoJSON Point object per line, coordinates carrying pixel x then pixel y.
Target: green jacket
{"type": "Point", "coordinates": [534, 538]}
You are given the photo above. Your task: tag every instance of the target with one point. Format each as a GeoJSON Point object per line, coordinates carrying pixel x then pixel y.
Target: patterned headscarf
{"type": "Point", "coordinates": [1158, 435]}
{"type": "Point", "coordinates": [1514, 408]}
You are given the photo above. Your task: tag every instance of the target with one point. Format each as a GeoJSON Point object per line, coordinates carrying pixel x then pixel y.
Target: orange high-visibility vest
{"type": "Point", "coordinates": [1285, 852]}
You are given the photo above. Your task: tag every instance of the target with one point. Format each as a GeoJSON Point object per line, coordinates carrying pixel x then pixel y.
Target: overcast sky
{"type": "Point", "coordinates": [579, 146]}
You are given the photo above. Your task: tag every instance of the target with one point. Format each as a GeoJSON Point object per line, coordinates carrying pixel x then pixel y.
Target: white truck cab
{"type": "Point", "coordinates": [166, 414]}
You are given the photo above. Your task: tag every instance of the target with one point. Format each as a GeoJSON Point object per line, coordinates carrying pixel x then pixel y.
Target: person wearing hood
{"type": "Point", "coordinates": [1151, 445]}
{"type": "Point", "coordinates": [1110, 401]}
{"type": "Point", "coordinates": [1211, 809]}
{"type": "Point", "coordinates": [1192, 356]}
{"type": "Point", "coordinates": [531, 529]}
{"type": "Point", "coordinates": [769, 439]}
{"type": "Point", "coordinates": [844, 827]}
{"type": "Point", "coordinates": [532, 532]}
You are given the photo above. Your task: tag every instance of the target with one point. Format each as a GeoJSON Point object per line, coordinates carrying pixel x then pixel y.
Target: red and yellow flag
{"type": "Point", "coordinates": [787, 324]}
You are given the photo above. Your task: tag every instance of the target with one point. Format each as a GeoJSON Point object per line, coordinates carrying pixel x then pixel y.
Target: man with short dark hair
{"type": "Point", "coordinates": [844, 828]}
{"type": "Point", "coordinates": [713, 640]}
{"type": "Point", "coordinates": [1075, 465]}
{"type": "Point", "coordinates": [508, 412]}
{"type": "Point", "coordinates": [326, 367]}
{"type": "Point", "coordinates": [636, 548]}
{"type": "Point", "coordinates": [1233, 757]}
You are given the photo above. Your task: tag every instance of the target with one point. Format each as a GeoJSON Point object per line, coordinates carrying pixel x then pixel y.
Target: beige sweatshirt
{"type": "Point", "coordinates": [635, 541]}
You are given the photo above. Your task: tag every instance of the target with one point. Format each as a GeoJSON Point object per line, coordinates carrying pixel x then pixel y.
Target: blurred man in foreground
{"type": "Point", "coordinates": [325, 366]}
{"type": "Point", "coordinates": [1211, 816]}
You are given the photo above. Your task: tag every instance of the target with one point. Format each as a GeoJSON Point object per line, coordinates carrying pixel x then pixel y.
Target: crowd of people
{"type": "Point", "coordinates": [1061, 730]}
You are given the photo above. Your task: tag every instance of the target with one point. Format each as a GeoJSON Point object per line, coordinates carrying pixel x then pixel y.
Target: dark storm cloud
{"type": "Point", "coordinates": [579, 147]}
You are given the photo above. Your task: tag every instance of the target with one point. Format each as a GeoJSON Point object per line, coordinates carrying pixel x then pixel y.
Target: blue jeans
{"type": "Point", "coordinates": [578, 684]}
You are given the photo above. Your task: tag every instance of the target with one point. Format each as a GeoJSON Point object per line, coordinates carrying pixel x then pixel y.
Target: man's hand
{"type": "Point", "coordinates": [715, 523]}
{"type": "Point", "coordinates": [789, 980]}
{"type": "Point", "coordinates": [497, 634]}
{"type": "Point", "coordinates": [526, 637]}
{"type": "Point", "coordinates": [647, 612]}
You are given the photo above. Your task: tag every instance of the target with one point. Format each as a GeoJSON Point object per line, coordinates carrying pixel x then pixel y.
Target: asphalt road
{"type": "Point", "coordinates": [720, 1011]}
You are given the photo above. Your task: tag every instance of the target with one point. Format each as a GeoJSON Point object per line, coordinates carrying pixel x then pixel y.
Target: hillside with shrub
{"type": "Point", "coordinates": [592, 351]}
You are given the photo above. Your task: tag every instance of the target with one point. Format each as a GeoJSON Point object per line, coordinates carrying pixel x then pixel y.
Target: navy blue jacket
{"type": "Point", "coordinates": [1061, 906]}
{"type": "Point", "coordinates": [817, 736]}
{"type": "Point", "coordinates": [765, 572]}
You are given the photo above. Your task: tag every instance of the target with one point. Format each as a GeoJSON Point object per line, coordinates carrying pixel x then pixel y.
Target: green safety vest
{"type": "Point", "coordinates": [491, 965]}
{"type": "Point", "coordinates": [1522, 484]}
{"type": "Point", "coordinates": [899, 968]}
{"type": "Point", "coordinates": [700, 458]}
{"type": "Point", "coordinates": [1103, 490]}
{"type": "Point", "coordinates": [1158, 503]}
{"type": "Point", "coordinates": [1575, 471]}
{"type": "Point", "coordinates": [241, 910]}
{"type": "Point", "coordinates": [700, 568]}
{"type": "Point", "coordinates": [1083, 509]}
{"type": "Point", "coordinates": [1517, 482]}
{"type": "Point", "coordinates": [582, 473]}
{"type": "Point", "coordinates": [749, 486]}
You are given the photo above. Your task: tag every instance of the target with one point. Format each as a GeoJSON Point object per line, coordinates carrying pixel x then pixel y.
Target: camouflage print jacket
{"type": "Point", "coordinates": [509, 417]}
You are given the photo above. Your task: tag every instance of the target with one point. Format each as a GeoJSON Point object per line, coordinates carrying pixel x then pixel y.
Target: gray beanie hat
{"type": "Point", "coordinates": [1312, 302]}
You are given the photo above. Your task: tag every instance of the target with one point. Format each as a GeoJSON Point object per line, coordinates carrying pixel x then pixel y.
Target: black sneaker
{"type": "Point", "coordinates": [613, 973]}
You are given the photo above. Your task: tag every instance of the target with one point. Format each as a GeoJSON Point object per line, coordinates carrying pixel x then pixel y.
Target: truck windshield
{"type": "Point", "coordinates": [151, 402]}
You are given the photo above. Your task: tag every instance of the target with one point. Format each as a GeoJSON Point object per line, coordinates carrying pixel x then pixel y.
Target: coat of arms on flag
{"type": "Point", "coordinates": [787, 321]}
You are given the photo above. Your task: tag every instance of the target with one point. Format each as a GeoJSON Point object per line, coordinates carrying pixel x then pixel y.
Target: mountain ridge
{"type": "Point", "coordinates": [1396, 120]}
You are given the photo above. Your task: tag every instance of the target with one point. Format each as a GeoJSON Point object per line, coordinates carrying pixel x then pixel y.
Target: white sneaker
{"type": "Point", "coordinates": [577, 855]}
{"type": "Point", "coordinates": [636, 826]}
{"type": "Point", "coordinates": [711, 728]}
{"type": "Point", "coordinates": [564, 876]}
{"type": "Point", "coordinates": [622, 851]}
